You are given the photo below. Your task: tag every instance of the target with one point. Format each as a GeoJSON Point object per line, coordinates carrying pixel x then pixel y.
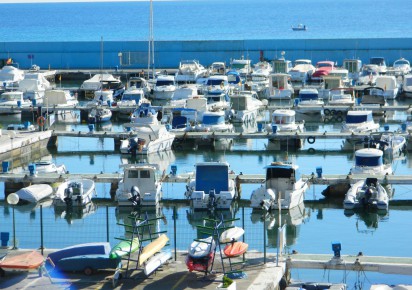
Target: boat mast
{"type": "Point", "coordinates": [150, 59]}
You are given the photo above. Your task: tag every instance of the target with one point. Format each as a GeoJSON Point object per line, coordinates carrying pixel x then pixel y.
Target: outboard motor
{"type": "Point", "coordinates": [135, 199]}
{"type": "Point", "coordinates": [132, 146]}
{"type": "Point", "coordinates": [68, 193]}
{"type": "Point", "coordinates": [211, 205]}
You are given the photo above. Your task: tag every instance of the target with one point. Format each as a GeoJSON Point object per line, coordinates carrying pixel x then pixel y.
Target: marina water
{"type": "Point", "coordinates": [323, 222]}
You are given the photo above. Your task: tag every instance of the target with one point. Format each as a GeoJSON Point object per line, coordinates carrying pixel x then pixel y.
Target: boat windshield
{"type": "Point", "coordinates": [164, 83]}
{"type": "Point", "coordinates": [283, 119]}
{"type": "Point", "coordinates": [132, 97]}
{"type": "Point", "coordinates": [213, 120]}
{"type": "Point", "coordinates": [324, 64]}
{"type": "Point", "coordinates": [137, 83]}
{"type": "Point", "coordinates": [402, 62]}
{"type": "Point", "coordinates": [233, 79]}
{"type": "Point", "coordinates": [238, 66]}
{"type": "Point", "coordinates": [310, 96]}
{"type": "Point", "coordinates": [368, 161]}
{"type": "Point", "coordinates": [408, 81]}
{"type": "Point", "coordinates": [216, 82]}
{"type": "Point", "coordinates": [377, 60]}
{"type": "Point", "coordinates": [280, 172]}
{"type": "Point", "coordinates": [356, 119]}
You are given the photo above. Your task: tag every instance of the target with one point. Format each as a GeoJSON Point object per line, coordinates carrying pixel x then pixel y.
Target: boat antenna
{"type": "Point", "coordinates": [150, 59]}
{"type": "Point", "coordinates": [101, 54]}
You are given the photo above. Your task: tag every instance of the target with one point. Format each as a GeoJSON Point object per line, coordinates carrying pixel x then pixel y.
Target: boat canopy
{"type": "Point", "coordinates": [179, 122]}
{"type": "Point", "coordinates": [308, 96]}
{"type": "Point", "coordinates": [280, 171]}
{"type": "Point", "coordinates": [233, 77]}
{"type": "Point", "coordinates": [213, 119]}
{"type": "Point", "coordinates": [135, 96]}
{"type": "Point", "coordinates": [212, 177]}
{"type": "Point", "coordinates": [216, 81]}
{"type": "Point", "coordinates": [372, 160]}
{"type": "Point", "coordinates": [359, 118]}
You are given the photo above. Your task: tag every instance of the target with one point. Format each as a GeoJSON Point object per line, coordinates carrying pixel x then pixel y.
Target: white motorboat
{"type": "Point", "coordinates": [299, 27]}
{"type": "Point", "coordinates": [44, 167]}
{"type": "Point", "coordinates": [283, 188]}
{"type": "Point", "coordinates": [99, 115]}
{"type": "Point", "coordinates": [280, 87]}
{"type": "Point", "coordinates": [144, 115]}
{"type": "Point", "coordinates": [216, 85]}
{"type": "Point", "coordinates": [359, 122]}
{"type": "Point", "coordinates": [101, 98]}
{"type": "Point", "coordinates": [302, 70]}
{"type": "Point", "coordinates": [260, 76]}
{"type": "Point", "coordinates": [242, 66]}
{"type": "Point", "coordinates": [13, 99]}
{"type": "Point", "coordinates": [308, 101]}
{"type": "Point", "coordinates": [75, 192]}
{"type": "Point", "coordinates": [217, 102]}
{"type": "Point", "coordinates": [182, 94]}
{"type": "Point", "coordinates": [141, 185]}
{"type": "Point", "coordinates": [368, 193]}
{"type": "Point", "coordinates": [370, 161]}
{"type": "Point", "coordinates": [282, 65]}
{"type": "Point", "coordinates": [234, 80]}
{"type": "Point", "coordinates": [217, 68]}
{"type": "Point", "coordinates": [148, 139]}
{"type": "Point", "coordinates": [212, 188]}
{"type": "Point", "coordinates": [34, 193]}
{"type": "Point", "coordinates": [368, 75]}
{"type": "Point", "coordinates": [283, 120]}
{"type": "Point", "coordinates": [34, 86]}
{"type": "Point", "coordinates": [374, 97]}
{"type": "Point", "coordinates": [195, 107]}
{"type": "Point", "coordinates": [341, 97]}
{"type": "Point", "coordinates": [189, 71]}
{"type": "Point", "coordinates": [354, 67]}
{"type": "Point", "coordinates": [245, 106]}
{"type": "Point", "coordinates": [392, 145]}
{"type": "Point", "coordinates": [381, 64]}
{"type": "Point", "coordinates": [102, 81]}
{"type": "Point", "coordinates": [164, 88]}
{"type": "Point", "coordinates": [10, 77]}
{"type": "Point", "coordinates": [132, 98]}
{"type": "Point", "coordinates": [214, 122]}
{"type": "Point", "coordinates": [390, 86]}
{"type": "Point", "coordinates": [407, 85]}
{"type": "Point", "coordinates": [139, 83]}
{"type": "Point", "coordinates": [401, 66]}
{"type": "Point", "coordinates": [57, 98]}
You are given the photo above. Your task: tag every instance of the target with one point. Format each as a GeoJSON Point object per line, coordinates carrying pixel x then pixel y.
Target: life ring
{"type": "Point", "coordinates": [333, 112]}
{"type": "Point", "coordinates": [40, 121]}
{"type": "Point", "coordinates": [311, 139]}
{"type": "Point", "coordinates": [311, 151]}
{"type": "Point", "coordinates": [339, 119]}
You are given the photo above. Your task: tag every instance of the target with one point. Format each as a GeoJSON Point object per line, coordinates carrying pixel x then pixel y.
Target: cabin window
{"type": "Point", "coordinates": [308, 96]}
{"type": "Point", "coordinates": [408, 82]}
{"type": "Point", "coordinates": [368, 161]}
{"type": "Point", "coordinates": [133, 174]}
{"type": "Point", "coordinates": [351, 119]}
{"type": "Point", "coordinates": [279, 172]}
{"type": "Point", "coordinates": [144, 174]}
{"type": "Point", "coordinates": [164, 83]}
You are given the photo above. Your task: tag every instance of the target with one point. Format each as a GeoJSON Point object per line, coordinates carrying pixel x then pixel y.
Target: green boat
{"type": "Point", "coordinates": [123, 248]}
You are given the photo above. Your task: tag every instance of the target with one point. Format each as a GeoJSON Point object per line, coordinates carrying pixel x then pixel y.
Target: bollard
{"type": "Point", "coordinates": [26, 124]}
{"type": "Point", "coordinates": [4, 237]}
{"type": "Point", "coordinates": [5, 165]}
{"type": "Point", "coordinates": [260, 127]}
{"type": "Point", "coordinates": [174, 169]}
{"type": "Point", "coordinates": [274, 129]}
{"type": "Point", "coordinates": [403, 127]}
{"type": "Point", "coordinates": [19, 104]}
{"type": "Point", "coordinates": [91, 127]}
{"type": "Point", "coordinates": [386, 128]}
{"type": "Point", "coordinates": [109, 103]}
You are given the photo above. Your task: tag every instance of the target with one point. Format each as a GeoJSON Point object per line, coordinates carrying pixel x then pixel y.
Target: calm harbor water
{"type": "Point", "coordinates": [205, 20]}
{"type": "Point", "coordinates": [310, 229]}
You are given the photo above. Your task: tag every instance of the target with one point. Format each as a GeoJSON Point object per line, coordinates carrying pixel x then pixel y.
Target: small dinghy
{"type": "Point", "coordinates": [34, 193]}
{"type": "Point", "coordinates": [75, 192]}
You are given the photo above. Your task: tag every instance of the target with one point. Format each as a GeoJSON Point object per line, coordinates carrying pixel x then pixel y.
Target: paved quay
{"type": "Point", "coordinates": [173, 275]}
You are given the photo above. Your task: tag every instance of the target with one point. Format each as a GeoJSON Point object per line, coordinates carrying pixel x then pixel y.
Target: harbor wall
{"type": "Point", "coordinates": [134, 54]}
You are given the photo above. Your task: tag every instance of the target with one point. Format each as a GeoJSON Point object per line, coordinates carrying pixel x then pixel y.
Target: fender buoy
{"type": "Point", "coordinates": [326, 112]}
{"type": "Point", "coordinates": [311, 139]}
{"type": "Point", "coordinates": [333, 112]}
{"type": "Point", "coordinates": [326, 120]}
{"type": "Point", "coordinates": [339, 119]}
{"type": "Point", "coordinates": [40, 121]}
{"type": "Point", "coordinates": [311, 151]}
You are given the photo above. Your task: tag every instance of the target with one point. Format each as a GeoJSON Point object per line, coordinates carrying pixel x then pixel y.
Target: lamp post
{"type": "Point", "coordinates": [13, 199]}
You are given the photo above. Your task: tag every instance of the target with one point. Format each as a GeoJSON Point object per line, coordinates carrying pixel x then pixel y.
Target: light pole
{"type": "Point", "coordinates": [13, 199]}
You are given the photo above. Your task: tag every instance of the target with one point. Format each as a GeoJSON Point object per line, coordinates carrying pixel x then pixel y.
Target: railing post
{"type": "Point", "coordinates": [41, 230]}
{"type": "Point", "coordinates": [264, 241]}
{"type": "Point", "coordinates": [107, 223]}
{"type": "Point", "coordinates": [243, 227]}
{"type": "Point", "coordinates": [174, 231]}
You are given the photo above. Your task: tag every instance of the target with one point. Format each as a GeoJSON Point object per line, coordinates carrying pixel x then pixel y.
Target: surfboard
{"type": "Point", "coordinates": [156, 261]}
{"type": "Point", "coordinates": [23, 262]}
{"type": "Point", "coordinates": [153, 248]}
{"type": "Point", "coordinates": [123, 248]}
{"type": "Point", "coordinates": [235, 249]}
{"type": "Point", "coordinates": [232, 234]}
{"type": "Point", "coordinates": [200, 249]}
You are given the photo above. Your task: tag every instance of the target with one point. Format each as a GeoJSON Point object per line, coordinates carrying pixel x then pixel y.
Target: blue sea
{"type": "Point", "coordinates": [205, 20]}
{"type": "Point", "coordinates": [310, 231]}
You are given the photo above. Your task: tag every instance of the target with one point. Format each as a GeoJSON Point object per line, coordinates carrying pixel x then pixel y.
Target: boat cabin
{"type": "Point", "coordinates": [354, 67]}
{"type": "Point", "coordinates": [244, 100]}
{"type": "Point", "coordinates": [279, 81]}
{"type": "Point", "coordinates": [281, 176]}
{"type": "Point", "coordinates": [145, 176]}
{"type": "Point", "coordinates": [282, 116]}
{"type": "Point", "coordinates": [308, 94]}
{"type": "Point", "coordinates": [282, 65]}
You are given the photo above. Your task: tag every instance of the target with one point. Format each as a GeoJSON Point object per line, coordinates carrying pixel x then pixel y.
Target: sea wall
{"type": "Point", "coordinates": [134, 54]}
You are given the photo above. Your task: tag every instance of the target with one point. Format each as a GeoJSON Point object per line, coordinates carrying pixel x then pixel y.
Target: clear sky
{"type": "Point", "coordinates": [49, 1]}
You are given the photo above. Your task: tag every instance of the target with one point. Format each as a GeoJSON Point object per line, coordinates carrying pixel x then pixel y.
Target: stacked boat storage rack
{"type": "Point", "coordinates": [219, 226]}
{"type": "Point", "coordinates": [138, 227]}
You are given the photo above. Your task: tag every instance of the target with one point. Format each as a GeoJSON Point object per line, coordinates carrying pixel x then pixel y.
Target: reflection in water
{"type": "Point", "coordinates": [31, 208]}
{"type": "Point", "coordinates": [292, 220]}
{"type": "Point", "coordinates": [370, 219]}
{"type": "Point", "coordinates": [75, 212]}
{"type": "Point", "coordinates": [163, 159]}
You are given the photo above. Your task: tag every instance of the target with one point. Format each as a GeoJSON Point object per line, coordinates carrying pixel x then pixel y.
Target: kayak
{"type": "Point", "coordinates": [202, 247]}
{"type": "Point", "coordinates": [153, 248]}
{"type": "Point", "coordinates": [156, 261]}
{"type": "Point", "coordinates": [232, 234]}
{"type": "Point", "coordinates": [235, 249]}
{"type": "Point", "coordinates": [123, 248]}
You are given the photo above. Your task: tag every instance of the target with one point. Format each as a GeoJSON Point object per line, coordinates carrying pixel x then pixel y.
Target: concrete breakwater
{"type": "Point", "coordinates": [134, 54]}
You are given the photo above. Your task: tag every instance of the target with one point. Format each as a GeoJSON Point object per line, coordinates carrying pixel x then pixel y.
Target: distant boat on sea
{"type": "Point", "coordinates": [300, 27]}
